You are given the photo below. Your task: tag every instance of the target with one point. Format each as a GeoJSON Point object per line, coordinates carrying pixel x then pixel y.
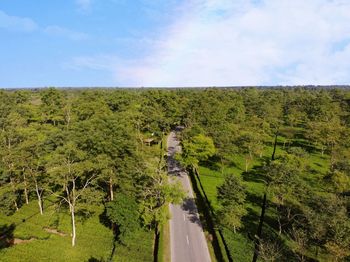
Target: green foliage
{"type": "Point", "coordinates": [231, 191]}
{"type": "Point", "coordinates": [339, 180]}
{"type": "Point", "coordinates": [199, 148]}
{"type": "Point", "coordinates": [156, 196]}
{"type": "Point", "coordinates": [88, 146]}
{"type": "Point", "coordinates": [293, 178]}
{"type": "Point", "coordinates": [231, 194]}
{"type": "Point", "coordinates": [124, 213]}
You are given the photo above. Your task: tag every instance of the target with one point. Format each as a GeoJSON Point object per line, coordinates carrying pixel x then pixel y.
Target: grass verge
{"type": "Point", "coordinates": [164, 254]}
{"type": "Point", "coordinates": [215, 244]}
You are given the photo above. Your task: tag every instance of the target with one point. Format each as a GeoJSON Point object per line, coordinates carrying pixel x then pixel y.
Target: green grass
{"type": "Point", "coordinates": [164, 253]}
{"type": "Point", "coordinates": [215, 246]}
{"type": "Point", "coordinates": [138, 248]}
{"type": "Point", "coordinates": [240, 246]}
{"type": "Point", "coordinates": [94, 240]}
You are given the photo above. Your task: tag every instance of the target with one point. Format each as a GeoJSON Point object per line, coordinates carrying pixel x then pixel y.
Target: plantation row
{"type": "Point", "coordinates": [90, 164]}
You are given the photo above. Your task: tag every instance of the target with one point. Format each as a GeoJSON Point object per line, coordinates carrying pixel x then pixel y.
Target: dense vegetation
{"type": "Point", "coordinates": [86, 168]}
{"type": "Point", "coordinates": [278, 182]}
{"type": "Point", "coordinates": [74, 163]}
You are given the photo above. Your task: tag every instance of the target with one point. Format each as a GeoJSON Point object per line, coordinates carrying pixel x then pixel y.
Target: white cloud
{"type": "Point", "coordinates": [55, 30]}
{"type": "Point", "coordinates": [224, 42]}
{"type": "Point", "coordinates": [15, 23]}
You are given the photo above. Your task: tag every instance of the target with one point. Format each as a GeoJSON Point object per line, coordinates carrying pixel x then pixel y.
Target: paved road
{"type": "Point", "coordinates": [186, 234]}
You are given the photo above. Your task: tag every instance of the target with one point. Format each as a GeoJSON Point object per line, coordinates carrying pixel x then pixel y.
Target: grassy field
{"type": "Point", "coordinates": [212, 175]}
{"type": "Point", "coordinates": [94, 240]}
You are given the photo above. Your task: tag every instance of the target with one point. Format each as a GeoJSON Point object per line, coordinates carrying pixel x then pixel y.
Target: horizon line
{"type": "Point", "coordinates": [178, 87]}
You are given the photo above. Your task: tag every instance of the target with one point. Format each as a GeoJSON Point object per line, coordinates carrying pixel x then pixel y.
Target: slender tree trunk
{"type": "Point", "coordinates": [73, 224]}
{"type": "Point", "coordinates": [14, 192]}
{"type": "Point", "coordinates": [25, 188]}
{"type": "Point", "coordinates": [68, 117]}
{"type": "Point", "coordinates": [67, 192]}
{"type": "Point", "coordinates": [111, 194]}
{"type": "Point", "coordinates": [274, 147]}
{"type": "Point", "coordinates": [322, 150]}
{"type": "Point", "coordinates": [72, 205]}
{"type": "Point", "coordinates": [39, 198]}
{"type": "Point", "coordinates": [261, 222]}
{"type": "Point", "coordinates": [15, 203]}
{"type": "Point", "coordinates": [222, 166]}
{"type": "Point", "coordinates": [246, 164]}
{"type": "Point", "coordinates": [279, 225]}
{"type": "Point", "coordinates": [263, 209]}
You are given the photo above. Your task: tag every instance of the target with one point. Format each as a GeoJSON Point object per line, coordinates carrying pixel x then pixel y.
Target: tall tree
{"type": "Point", "coordinates": [71, 174]}
{"type": "Point", "coordinates": [111, 139]}
{"type": "Point", "coordinates": [11, 155]}
{"type": "Point", "coordinates": [124, 213]}
{"type": "Point", "coordinates": [155, 193]}
{"type": "Point", "coordinates": [231, 196]}
{"type": "Point", "coordinates": [196, 149]}
{"type": "Point", "coordinates": [35, 151]}
{"type": "Point", "coordinates": [52, 106]}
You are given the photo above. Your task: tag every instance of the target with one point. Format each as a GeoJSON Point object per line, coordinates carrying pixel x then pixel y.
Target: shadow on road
{"type": "Point", "coordinates": [174, 167]}
{"type": "Point", "coordinates": [189, 206]}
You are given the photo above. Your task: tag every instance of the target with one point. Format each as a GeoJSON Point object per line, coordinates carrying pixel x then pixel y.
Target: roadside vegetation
{"type": "Point", "coordinates": [278, 182]}
{"type": "Point", "coordinates": [83, 172]}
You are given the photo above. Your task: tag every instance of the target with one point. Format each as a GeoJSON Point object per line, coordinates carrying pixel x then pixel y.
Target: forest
{"type": "Point", "coordinates": [83, 172]}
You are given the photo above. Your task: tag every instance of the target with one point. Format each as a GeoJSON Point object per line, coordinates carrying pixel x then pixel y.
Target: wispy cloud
{"type": "Point", "coordinates": [24, 24]}
{"type": "Point", "coordinates": [224, 42]}
{"type": "Point", "coordinates": [98, 62]}
{"type": "Point", "coordinates": [66, 33]}
{"type": "Point", "coordinates": [16, 23]}
{"type": "Point", "coordinates": [84, 5]}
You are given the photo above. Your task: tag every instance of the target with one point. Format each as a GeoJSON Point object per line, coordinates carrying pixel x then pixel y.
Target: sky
{"type": "Point", "coordinates": [174, 43]}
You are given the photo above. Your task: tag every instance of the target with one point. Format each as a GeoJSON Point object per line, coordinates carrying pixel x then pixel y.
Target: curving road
{"type": "Point", "coordinates": [186, 233]}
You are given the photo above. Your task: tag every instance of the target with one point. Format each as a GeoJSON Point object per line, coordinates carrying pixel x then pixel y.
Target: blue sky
{"type": "Point", "coordinates": [174, 42]}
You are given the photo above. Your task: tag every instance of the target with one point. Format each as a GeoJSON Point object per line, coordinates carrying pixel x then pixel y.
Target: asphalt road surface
{"type": "Point", "coordinates": [186, 233]}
